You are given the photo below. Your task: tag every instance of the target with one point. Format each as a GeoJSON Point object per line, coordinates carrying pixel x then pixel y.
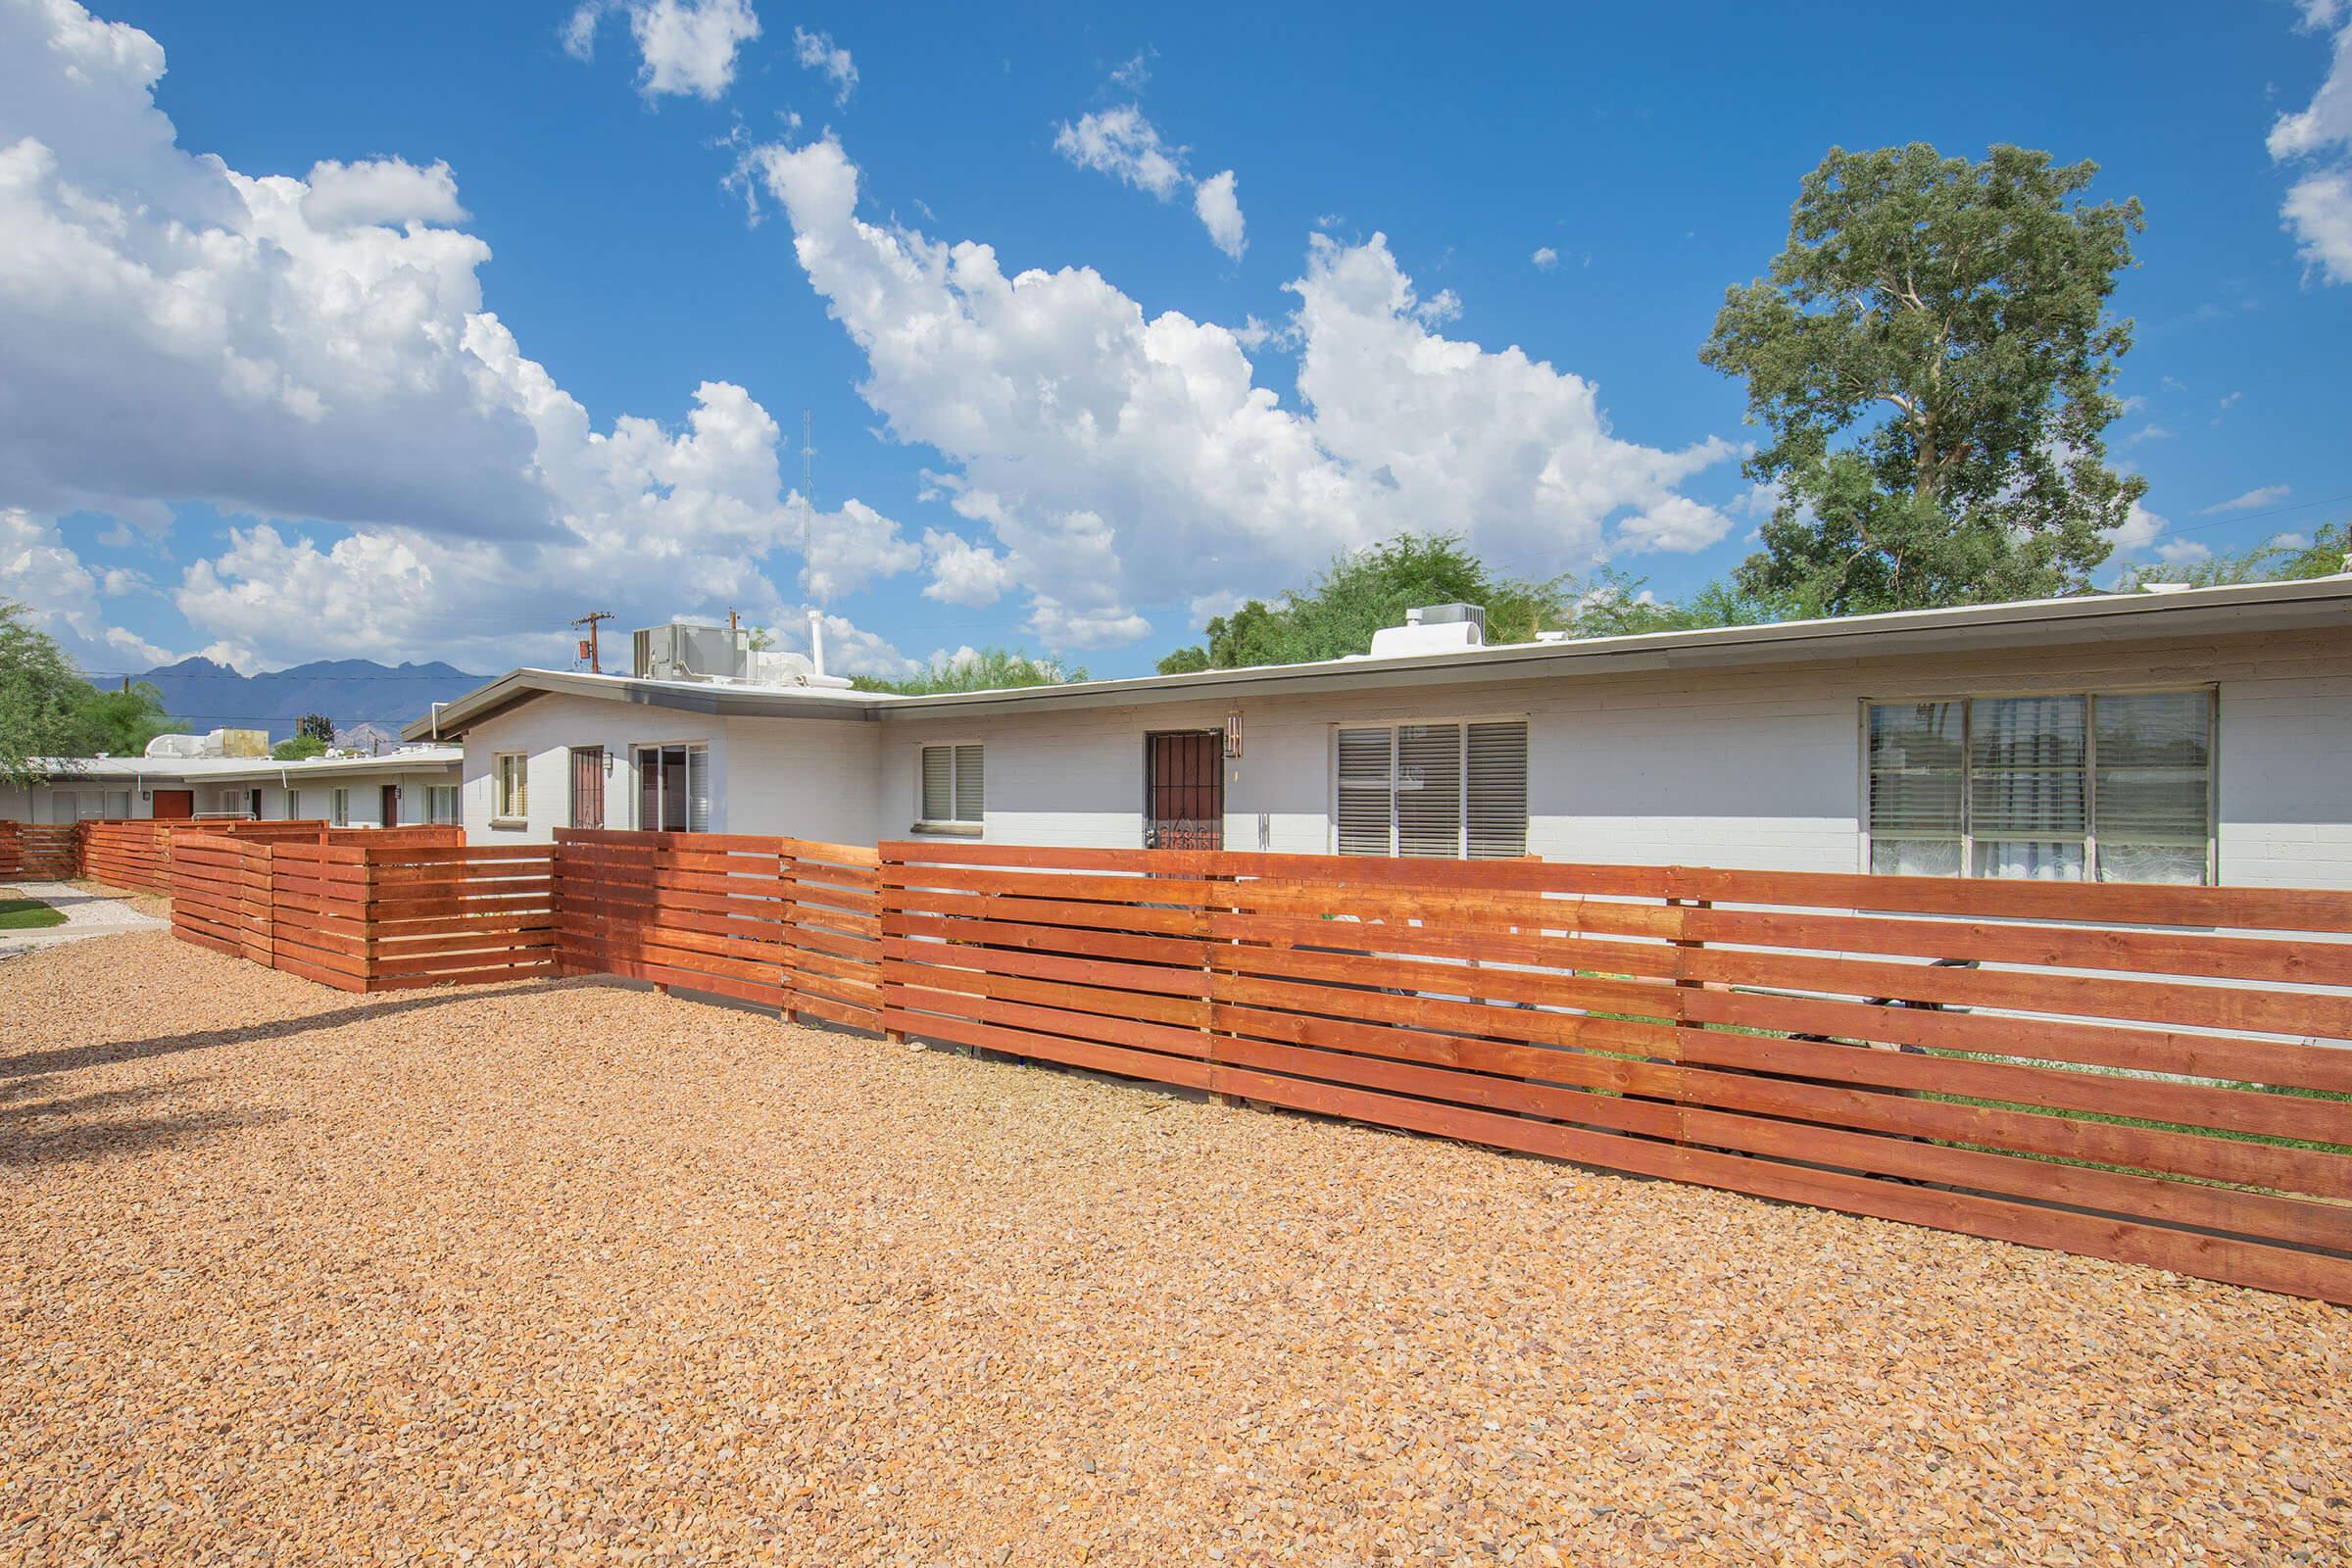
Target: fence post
{"type": "Point", "coordinates": [892, 979]}
{"type": "Point", "coordinates": [788, 934]}
{"type": "Point", "coordinates": [256, 861]}
{"type": "Point", "coordinates": [1208, 980]}
{"type": "Point", "coordinates": [1682, 983]}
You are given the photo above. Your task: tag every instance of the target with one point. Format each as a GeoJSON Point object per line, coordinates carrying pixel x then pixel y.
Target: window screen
{"type": "Point", "coordinates": [2116, 786]}
{"type": "Point", "coordinates": [1429, 790]}
{"type": "Point", "coordinates": [514, 785]}
{"type": "Point", "coordinates": [1434, 791]}
{"type": "Point", "coordinates": [673, 789]}
{"type": "Point", "coordinates": [1366, 807]}
{"type": "Point", "coordinates": [1497, 758]}
{"type": "Point", "coordinates": [2154, 786]}
{"type": "Point", "coordinates": [954, 784]}
{"type": "Point", "coordinates": [2029, 798]}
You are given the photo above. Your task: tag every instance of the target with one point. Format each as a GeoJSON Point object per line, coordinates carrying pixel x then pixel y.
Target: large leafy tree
{"type": "Point", "coordinates": [1929, 359]}
{"type": "Point", "coordinates": [121, 723]}
{"type": "Point", "coordinates": [41, 698]}
{"type": "Point", "coordinates": [48, 711]}
{"type": "Point", "coordinates": [1360, 593]}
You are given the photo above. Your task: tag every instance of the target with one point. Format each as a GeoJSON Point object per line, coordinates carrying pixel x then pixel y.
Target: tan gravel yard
{"type": "Point", "coordinates": [559, 1273]}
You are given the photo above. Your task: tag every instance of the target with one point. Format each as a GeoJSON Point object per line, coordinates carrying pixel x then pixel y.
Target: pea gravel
{"type": "Point", "coordinates": [579, 1273]}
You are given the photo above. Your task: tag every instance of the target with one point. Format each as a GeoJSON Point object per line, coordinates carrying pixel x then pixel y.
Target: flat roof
{"type": "Point", "coordinates": [246, 769]}
{"type": "Point", "coordinates": [2272, 607]}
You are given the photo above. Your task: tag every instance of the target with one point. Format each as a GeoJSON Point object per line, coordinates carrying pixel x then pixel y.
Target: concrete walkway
{"type": "Point", "coordinates": [87, 914]}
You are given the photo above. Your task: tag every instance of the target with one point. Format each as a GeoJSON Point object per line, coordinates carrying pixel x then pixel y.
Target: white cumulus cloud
{"type": "Point", "coordinates": [818, 51]}
{"type": "Point", "coordinates": [380, 190]}
{"type": "Point", "coordinates": [2317, 210]}
{"type": "Point", "coordinates": [964, 572]}
{"type": "Point", "coordinates": [1220, 212]}
{"type": "Point", "coordinates": [1119, 460]}
{"type": "Point", "coordinates": [172, 330]}
{"type": "Point", "coordinates": [1545, 259]}
{"type": "Point", "coordinates": [1122, 143]}
{"type": "Point", "coordinates": [684, 47]}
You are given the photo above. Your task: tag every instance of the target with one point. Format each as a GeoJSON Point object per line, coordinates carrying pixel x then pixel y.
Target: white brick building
{"type": "Point", "coordinates": [2198, 735]}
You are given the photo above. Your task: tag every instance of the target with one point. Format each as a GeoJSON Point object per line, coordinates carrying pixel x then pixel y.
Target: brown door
{"type": "Point", "coordinates": [175, 805]}
{"type": "Point", "coordinates": [1184, 791]}
{"type": "Point", "coordinates": [391, 805]}
{"type": "Point", "coordinates": [588, 786]}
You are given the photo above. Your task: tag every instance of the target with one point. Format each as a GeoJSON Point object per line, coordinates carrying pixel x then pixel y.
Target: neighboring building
{"type": "Point", "coordinates": [413, 785]}
{"type": "Point", "coordinates": [2198, 735]}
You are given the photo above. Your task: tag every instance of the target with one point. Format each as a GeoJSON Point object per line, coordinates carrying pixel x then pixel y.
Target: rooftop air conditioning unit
{"type": "Point", "coordinates": [1433, 629]}
{"type": "Point", "coordinates": [688, 651]}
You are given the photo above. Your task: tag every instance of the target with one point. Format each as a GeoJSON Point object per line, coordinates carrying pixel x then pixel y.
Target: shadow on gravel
{"type": "Point", "coordinates": [61, 1131]}
{"type": "Point", "coordinates": [66, 1059]}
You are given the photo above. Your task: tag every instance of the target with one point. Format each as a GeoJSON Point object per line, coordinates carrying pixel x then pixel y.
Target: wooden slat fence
{"type": "Point", "coordinates": [39, 851]}
{"type": "Point", "coordinates": [2157, 1075]}
{"type": "Point", "coordinates": [127, 853]}
{"type": "Point", "coordinates": [138, 853]}
{"type": "Point", "coordinates": [374, 915]}
{"type": "Point", "coordinates": [781, 923]}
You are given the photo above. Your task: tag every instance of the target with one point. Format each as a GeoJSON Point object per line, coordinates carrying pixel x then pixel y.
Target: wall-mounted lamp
{"type": "Point", "coordinates": [608, 764]}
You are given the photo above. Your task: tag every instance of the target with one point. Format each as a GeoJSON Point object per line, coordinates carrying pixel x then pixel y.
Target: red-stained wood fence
{"type": "Point", "coordinates": [136, 852]}
{"type": "Point", "coordinates": [785, 923]}
{"type": "Point", "coordinates": [368, 910]}
{"type": "Point", "coordinates": [2156, 1075]}
{"type": "Point", "coordinates": [39, 851]}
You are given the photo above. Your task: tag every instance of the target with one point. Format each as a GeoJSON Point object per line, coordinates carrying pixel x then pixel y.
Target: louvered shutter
{"type": "Point", "coordinates": [1367, 793]}
{"type": "Point", "coordinates": [697, 789]}
{"type": "Point", "coordinates": [1498, 789]}
{"type": "Point", "coordinates": [971, 795]}
{"type": "Point", "coordinates": [1429, 790]}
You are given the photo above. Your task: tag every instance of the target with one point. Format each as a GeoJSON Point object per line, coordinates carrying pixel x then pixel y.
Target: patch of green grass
{"type": "Point", "coordinates": [27, 914]}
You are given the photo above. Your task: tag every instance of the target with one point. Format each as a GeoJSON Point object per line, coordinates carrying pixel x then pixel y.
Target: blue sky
{"type": "Point", "coordinates": [262, 459]}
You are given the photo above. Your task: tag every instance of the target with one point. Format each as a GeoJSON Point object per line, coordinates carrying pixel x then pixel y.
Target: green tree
{"type": "Point", "coordinates": [987, 671]}
{"type": "Point", "coordinates": [42, 698]}
{"type": "Point", "coordinates": [1930, 358]}
{"type": "Point", "coordinates": [298, 749]}
{"type": "Point", "coordinates": [121, 722]}
{"type": "Point", "coordinates": [2328, 553]}
{"type": "Point", "coordinates": [1362, 592]}
{"type": "Point", "coordinates": [318, 727]}
{"type": "Point", "coordinates": [1611, 604]}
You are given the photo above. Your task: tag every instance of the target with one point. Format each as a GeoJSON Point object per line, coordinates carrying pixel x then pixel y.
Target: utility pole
{"type": "Point", "coordinates": [594, 665]}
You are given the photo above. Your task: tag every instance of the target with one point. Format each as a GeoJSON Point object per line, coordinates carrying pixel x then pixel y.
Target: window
{"type": "Point", "coordinates": [2113, 787]}
{"type": "Point", "coordinates": [511, 780]}
{"type": "Point", "coordinates": [954, 788]}
{"type": "Point", "coordinates": [117, 803]}
{"type": "Point", "coordinates": [673, 789]}
{"type": "Point", "coordinates": [1450, 791]}
{"type": "Point", "coordinates": [441, 803]}
{"type": "Point", "coordinates": [342, 813]}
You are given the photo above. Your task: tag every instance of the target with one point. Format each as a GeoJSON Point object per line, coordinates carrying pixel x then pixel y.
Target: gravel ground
{"type": "Point", "coordinates": [150, 904]}
{"type": "Point", "coordinates": [583, 1274]}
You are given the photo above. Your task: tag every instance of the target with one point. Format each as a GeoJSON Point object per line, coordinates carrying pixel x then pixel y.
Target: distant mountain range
{"type": "Point", "coordinates": [350, 691]}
